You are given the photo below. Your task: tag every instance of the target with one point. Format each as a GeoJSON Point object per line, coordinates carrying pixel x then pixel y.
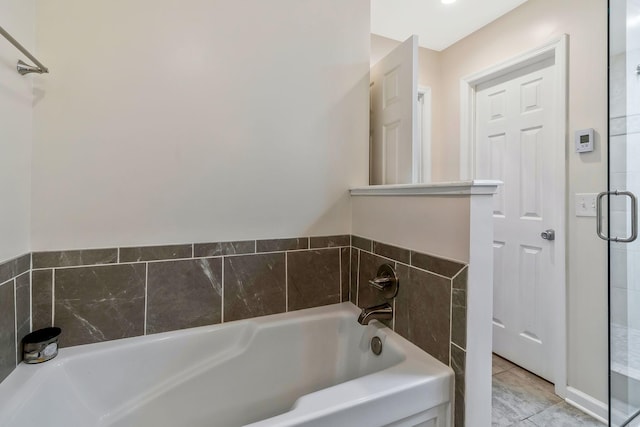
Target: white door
{"type": "Point", "coordinates": [515, 139]}
{"type": "Point", "coordinates": [394, 122]}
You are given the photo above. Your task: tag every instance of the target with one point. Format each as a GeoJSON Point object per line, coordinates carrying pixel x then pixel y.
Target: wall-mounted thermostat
{"type": "Point", "coordinates": [584, 141]}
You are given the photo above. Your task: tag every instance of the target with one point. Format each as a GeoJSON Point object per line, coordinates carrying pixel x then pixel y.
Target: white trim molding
{"type": "Point", "coordinates": [475, 187]}
{"type": "Point", "coordinates": [479, 312]}
{"type": "Point", "coordinates": [558, 50]}
{"type": "Point", "coordinates": [587, 404]}
{"type": "Point", "coordinates": [422, 157]}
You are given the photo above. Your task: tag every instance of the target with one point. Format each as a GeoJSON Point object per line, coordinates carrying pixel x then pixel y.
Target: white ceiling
{"type": "Point", "coordinates": [438, 25]}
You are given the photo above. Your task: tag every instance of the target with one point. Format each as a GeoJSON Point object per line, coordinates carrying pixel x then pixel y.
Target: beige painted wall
{"type": "Point", "coordinates": [528, 26]}
{"type": "Point", "coordinates": [199, 120]}
{"type": "Point", "coordinates": [18, 18]}
{"type": "Point", "coordinates": [436, 225]}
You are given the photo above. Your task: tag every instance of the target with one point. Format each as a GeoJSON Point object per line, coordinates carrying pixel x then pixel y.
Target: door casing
{"type": "Point", "coordinates": [422, 153]}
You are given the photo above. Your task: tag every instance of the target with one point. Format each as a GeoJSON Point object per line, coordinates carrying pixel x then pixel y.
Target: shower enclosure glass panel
{"type": "Point", "coordinates": [624, 175]}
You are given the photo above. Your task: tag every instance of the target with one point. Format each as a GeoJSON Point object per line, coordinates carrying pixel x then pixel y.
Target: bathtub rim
{"type": "Point", "coordinates": [333, 399]}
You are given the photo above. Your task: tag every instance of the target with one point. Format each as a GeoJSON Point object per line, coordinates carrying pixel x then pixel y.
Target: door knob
{"type": "Point", "coordinates": [548, 235]}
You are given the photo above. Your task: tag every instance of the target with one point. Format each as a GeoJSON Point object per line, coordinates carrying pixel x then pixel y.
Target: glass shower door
{"type": "Point", "coordinates": [624, 183]}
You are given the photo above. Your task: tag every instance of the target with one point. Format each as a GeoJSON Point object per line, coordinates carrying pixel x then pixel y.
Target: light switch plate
{"type": "Point", "coordinates": [586, 204]}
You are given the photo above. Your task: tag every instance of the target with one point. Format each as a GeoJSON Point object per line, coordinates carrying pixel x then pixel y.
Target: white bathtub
{"type": "Point", "coordinates": [306, 368]}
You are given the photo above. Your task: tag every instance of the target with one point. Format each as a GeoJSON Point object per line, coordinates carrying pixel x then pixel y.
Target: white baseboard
{"type": "Point", "coordinates": [587, 404]}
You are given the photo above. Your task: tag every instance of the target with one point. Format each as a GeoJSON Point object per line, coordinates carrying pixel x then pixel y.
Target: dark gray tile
{"type": "Point", "coordinates": [41, 294]}
{"type": "Point", "coordinates": [7, 330]}
{"type": "Point", "coordinates": [423, 311]}
{"type": "Point", "coordinates": [367, 295]}
{"type": "Point", "coordinates": [353, 280]}
{"type": "Point", "coordinates": [23, 312]}
{"type": "Point", "coordinates": [329, 241]}
{"type": "Point", "coordinates": [74, 258]}
{"type": "Point", "coordinates": [393, 252]}
{"type": "Point", "coordinates": [7, 270]}
{"type": "Point", "coordinates": [460, 281]}
{"type": "Point", "coordinates": [94, 304]}
{"type": "Point", "coordinates": [345, 269]}
{"type": "Point", "coordinates": [23, 264]}
{"type": "Point", "coordinates": [458, 363]}
{"type": "Point", "coordinates": [14, 267]}
{"type": "Point", "coordinates": [184, 294]}
{"type": "Point", "coordinates": [279, 245]}
{"type": "Point", "coordinates": [459, 318]}
{"type": "Point", "coordinates": [155, 253]}
{"type": "Point", "coordinates": [362, 243]}
{"type": "Point", "coordinates": [254, 285]}
{"type": "Point", "coordinates": [224, 248]}
{"type": "Point", "coordinates": [459, 310]}
{"type": "Point", "coordinates": [441, 266]}
{"type": "Point", "coordinates": [313, 278]}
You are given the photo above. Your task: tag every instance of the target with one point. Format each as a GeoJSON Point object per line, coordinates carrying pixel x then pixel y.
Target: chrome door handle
{"type": "Point", "coordinates": [548, 235]}
{"type": "Point", "coordinates": [634, 216]}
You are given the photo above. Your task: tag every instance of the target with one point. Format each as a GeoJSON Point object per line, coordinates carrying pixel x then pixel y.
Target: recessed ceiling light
{"type": "Point", "coordinates": [448, 1]}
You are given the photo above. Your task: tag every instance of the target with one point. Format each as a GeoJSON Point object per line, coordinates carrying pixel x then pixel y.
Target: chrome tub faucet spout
{"type": "Point", "coordinates": [377, 312]}
{"type": "Point", "coordinates": [386, 282]}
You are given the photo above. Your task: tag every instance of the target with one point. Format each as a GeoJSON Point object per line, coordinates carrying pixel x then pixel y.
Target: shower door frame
{"type": "Point", "coordinates": [632, 413]}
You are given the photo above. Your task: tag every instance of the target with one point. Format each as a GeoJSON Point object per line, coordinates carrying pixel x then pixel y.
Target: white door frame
{"type": "Point", "coordinates": [422, 153]}
{"type": "Point", "coordinates": [558, 49]}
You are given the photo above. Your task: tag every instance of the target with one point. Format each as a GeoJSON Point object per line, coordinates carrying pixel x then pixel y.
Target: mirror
{"type": "Point", "coordinates": [432, 139]}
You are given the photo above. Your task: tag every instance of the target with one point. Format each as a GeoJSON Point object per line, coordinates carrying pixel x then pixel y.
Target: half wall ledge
{"type": "Point", "coordinates": [455, 188]}
{"type": "Point", "coordinates": [450, 220]}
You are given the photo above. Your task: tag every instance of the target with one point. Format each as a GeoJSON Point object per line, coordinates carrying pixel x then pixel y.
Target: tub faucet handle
{"type": "Point", "coordinates": [381, 283]}
{"type": "Point", "coordinates": [386, 281]}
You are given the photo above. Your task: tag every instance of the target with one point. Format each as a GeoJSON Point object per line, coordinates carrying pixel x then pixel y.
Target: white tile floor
{"type": "Point", "coordinates": [523, 399]}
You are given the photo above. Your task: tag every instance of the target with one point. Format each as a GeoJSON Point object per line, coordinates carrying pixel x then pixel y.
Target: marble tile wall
{"type": "Point", "coordinates": [103, 294]}
{"type": "Point", "coordinates": [431, 306]}
{"type": "Point", "coordinates": [15, 314]}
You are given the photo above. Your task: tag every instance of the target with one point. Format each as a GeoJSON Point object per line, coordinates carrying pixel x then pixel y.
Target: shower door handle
{"type": "Point", "coordinates": [634, 216]}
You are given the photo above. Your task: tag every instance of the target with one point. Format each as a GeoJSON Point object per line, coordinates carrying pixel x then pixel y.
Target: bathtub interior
{"type": "Point", "coordinates": [236, 373]}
